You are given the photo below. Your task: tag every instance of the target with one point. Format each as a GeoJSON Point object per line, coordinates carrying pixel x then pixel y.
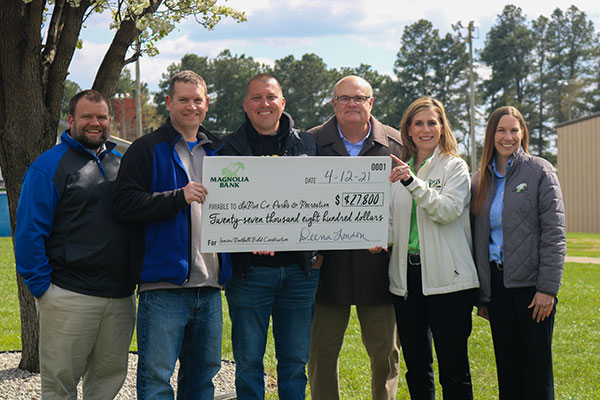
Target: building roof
{"type": "Point", "coordinates": [576, 120]}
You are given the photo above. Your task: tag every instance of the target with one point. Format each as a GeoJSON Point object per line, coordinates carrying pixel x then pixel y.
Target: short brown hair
{"type": "Point", "coordinates": [262, 78]}
{"type": "Point", "coordinates": [186, 76]}
{"type": "Point", "coordinates": [92, 95]}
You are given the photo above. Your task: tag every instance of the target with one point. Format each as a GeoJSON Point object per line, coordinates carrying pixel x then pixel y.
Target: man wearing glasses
{"type": "Point", "coordinates": [354, 277]}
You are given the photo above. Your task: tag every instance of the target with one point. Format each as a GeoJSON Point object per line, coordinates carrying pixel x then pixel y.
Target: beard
{"type": "Point", "coordinates": [89, 143]}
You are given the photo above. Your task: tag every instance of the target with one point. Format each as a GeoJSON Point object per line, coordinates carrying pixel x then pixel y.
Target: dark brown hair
{"type": "Point", "coordinates": [489, 151]}
{"type": "Point", "coordinates": [92, 95]}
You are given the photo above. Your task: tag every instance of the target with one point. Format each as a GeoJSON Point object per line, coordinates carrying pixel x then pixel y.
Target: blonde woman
{"type": "Point", "coordinates": [432, 273]}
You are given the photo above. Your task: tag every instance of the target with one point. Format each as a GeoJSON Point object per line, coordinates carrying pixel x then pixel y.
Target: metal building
{"type": "Point", "coordinates": [578, 164]}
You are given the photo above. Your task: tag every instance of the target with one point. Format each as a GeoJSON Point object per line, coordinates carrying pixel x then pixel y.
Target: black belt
{"type": "Point", "coordinates": [497, 265]}
{"type": "Point", "coordinates": [414, 259]}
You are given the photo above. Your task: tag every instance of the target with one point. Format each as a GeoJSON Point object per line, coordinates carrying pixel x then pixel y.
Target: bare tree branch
{"type": "Point", "coordinates": [72, 21]}
{"type": "Point", "coordinates": [133, 58]}
{"type": "Point", "coordinates": [114, 59]}
{"type": "Point", "coordinates": [54, 30]}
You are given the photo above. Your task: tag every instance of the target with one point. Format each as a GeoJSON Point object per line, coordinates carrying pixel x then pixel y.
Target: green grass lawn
{"type": "Point", "coordinates": [576, 335]}
{"type": "Point", "coordinates": [10, 323]}
{"type": "Point", "coordinates": [583, 244]}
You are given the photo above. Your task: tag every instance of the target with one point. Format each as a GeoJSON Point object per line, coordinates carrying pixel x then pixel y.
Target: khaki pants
{"type": "Point", "coordinates": [378, 330]}
{"type": "Point", "coordinates": [85, 337]}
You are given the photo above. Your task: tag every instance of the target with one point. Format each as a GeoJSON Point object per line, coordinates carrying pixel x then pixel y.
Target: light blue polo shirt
{"type": "Point", "coordinates": [496, 242]}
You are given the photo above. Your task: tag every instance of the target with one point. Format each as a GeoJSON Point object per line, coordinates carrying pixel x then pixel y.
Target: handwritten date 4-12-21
{"type": "Point", "coordinates": [349, 176]}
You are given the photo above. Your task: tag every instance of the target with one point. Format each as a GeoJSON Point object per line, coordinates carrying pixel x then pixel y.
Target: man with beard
{"type": "Point", "coordinates": [73, 257]}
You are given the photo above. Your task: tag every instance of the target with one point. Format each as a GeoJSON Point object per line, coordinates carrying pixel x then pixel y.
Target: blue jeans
{"type": "Point", "coordinates": [179, 323]}
{"type": "Point", "coordinates": [288, 295]}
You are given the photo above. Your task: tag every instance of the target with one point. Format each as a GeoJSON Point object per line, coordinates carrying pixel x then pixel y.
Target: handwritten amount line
{"type": "Point", "coordinates": [302, 223]}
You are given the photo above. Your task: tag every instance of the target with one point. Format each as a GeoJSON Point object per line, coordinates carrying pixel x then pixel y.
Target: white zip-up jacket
{"type": "Point", "coordinates": [441, 191]}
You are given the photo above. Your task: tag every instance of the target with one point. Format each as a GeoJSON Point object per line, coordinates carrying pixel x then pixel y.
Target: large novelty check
{"type": "Point", "coordinates": [295, 203]}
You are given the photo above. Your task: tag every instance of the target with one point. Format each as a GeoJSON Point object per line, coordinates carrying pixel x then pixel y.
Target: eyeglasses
{"type": "Point", "coordinates": [345, 100]}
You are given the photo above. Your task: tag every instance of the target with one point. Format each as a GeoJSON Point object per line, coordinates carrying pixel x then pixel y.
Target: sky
{"type": "Point", "coordinates": [344, 33]}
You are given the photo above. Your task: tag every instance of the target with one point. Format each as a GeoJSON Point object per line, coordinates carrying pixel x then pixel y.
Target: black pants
{"type": "Point", "coordinates": [523, 347]}
{"type": "Point", "coordinates": [446, 317]}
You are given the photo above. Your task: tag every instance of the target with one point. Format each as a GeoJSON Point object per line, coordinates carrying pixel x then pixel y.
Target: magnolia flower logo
{"type": "Point", "coordinates": [232, 169]}
{"type": "Point", "coordinates": [229, 176]}
{"type": "Point", "coordinates": [521, 187]}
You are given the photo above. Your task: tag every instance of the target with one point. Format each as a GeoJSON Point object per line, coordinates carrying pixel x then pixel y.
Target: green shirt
{"type": "Point", "coordinates": [413, 237]}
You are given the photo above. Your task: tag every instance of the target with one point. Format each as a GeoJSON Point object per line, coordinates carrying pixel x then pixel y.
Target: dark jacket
{"type": "Point", "coordinates": [293, 142]}
{"type": "Point", "coordinates": [65, 233]}
{"type": "Point", "coordinates": [355, 276]}
{"type": "Point", "coordinates": [149, 195]}
{"type": "Point", "coordinates": [533, 225]}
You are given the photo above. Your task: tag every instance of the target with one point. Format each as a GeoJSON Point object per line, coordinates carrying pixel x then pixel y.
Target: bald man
{"type": "Point", "coordinates": [354, 277]}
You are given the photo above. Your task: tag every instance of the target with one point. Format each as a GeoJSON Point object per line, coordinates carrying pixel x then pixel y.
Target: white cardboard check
{"type": "Point", "coordinates": [295, 203]}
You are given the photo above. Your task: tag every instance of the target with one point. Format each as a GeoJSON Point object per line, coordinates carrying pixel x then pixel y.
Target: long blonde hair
{"type": "Point", "coordinates": [489, 151]}
{"type": "Point", "coordinates": [447, 143]}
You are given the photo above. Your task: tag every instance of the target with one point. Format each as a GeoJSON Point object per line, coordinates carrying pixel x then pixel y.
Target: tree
{"type": "Point", "coordinates": [595, 98]}
{"type": "Point", "coordinates": [33, 70]}
{"type": "Point", "coordinates": [573, 46]}
{"type": "Point", "coordinates": [125, 91]}
{"type": "Point", "coordinates": [430, 65]}
{"type": "Point", "coordinates": [539, 120]}
{"type": "Point", "coordinates": [546, 70]}
{"type": "Point", "coordinates": [414, 63]}
{"type": "Point", "coordinates": [507, 51]}
{"type": "Point", "coordinates": [226, 77]}
{"type": "Point", "coordinates": [71, 88]}
{"type": "Point", "coordinates": [230, 74]}
{"type": "Point", "coordinates": [451, 82]}
{"type": "Point", "coordinates": [390, 101]}
{"type": "Point", "coordinates": [307, 86]}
